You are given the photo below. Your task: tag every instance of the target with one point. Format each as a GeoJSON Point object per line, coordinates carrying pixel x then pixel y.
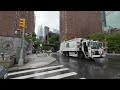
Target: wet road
{"type": "Point", "coordinates": [72, 68]}
{"type": "Point", "coordinates": [100, 68]}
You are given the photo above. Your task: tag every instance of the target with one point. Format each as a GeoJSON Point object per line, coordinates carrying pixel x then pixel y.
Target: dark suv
{"type": "Point", "coordinates": [3, 73]}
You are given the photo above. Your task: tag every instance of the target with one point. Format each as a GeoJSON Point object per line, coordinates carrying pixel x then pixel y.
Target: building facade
{"type": "Point", "coordinates": [9, 22]}
{"type": "Point", "coordinates": [40, 33]}
{"type": "Point", "coordinates": [46, 31]}
{"type": "Point", "coordinates": [112, 19]}
{"type": "Point", "coordinates": [82, 24]}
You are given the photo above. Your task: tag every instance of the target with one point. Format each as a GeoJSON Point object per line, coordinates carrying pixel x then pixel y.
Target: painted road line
{"type": "Point", "coordinates": [52, 67]}
{"type": "Point", "coordinates": [82, 78]}
{"type": "Point", "coordinates": [34, 65]}
{"type": "Point", "coordinates": [62, 75]}
{"type": "Point", "coordinates": [39, 74]}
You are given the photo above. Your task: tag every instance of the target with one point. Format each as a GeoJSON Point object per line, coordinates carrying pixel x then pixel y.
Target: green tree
{"type": "Point", "coordinates": [31, 38]}
{"type": "Point", "coordinates": [113, 40]}
{"type": "Point", "coordinates": [98, 36]}
{"type": "Point", "coordinates": [54, 40]}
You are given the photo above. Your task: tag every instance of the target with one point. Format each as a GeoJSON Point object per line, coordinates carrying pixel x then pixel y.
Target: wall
{"type": "Point", "coordinates": [82, 24]}
{"type": "Point", "coordinates": [14, 42]}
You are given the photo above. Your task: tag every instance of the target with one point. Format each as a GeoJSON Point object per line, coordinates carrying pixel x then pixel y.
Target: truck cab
{"type": "Point", "coordinates": [95, 49]}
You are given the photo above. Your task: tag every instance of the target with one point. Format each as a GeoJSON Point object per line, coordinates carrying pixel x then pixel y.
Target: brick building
{"type": "Point", "coordinates": [75, 24]}
{"type": "Point", "coordinates": [9, 21]}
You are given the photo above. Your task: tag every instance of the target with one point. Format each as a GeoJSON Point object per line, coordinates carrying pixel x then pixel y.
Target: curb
{"type": "Point", "coordinates": [24, 68]}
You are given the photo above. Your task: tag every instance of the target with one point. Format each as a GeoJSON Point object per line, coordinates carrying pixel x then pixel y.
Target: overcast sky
{"type": "Point", "coordinates": [47, 18]}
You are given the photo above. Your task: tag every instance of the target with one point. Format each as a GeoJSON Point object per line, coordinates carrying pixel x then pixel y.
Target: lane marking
{"type": "Point", "coordinates": [62, 75]}
{"type": "Point", "coordinates": [39, 74]}
{"type": "Point", "coordinates": [82, 78]}
{"type": "Point", "coordinates": [52, 67]}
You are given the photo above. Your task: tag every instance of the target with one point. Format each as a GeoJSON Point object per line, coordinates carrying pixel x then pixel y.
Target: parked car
{"type": "Point", "coordinates": [3, 73]}
{"type": "Point", "coordinates": [33, 51]}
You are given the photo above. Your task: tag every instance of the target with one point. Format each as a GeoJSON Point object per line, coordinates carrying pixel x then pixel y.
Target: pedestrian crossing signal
{"type": "Point", "coordinates": [22, 23]}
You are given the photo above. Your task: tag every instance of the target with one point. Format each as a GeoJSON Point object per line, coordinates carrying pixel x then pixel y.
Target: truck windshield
{"type": "Point", "coordinates": [95, 45]}
{"type": "Point", "coordinates": [100, 44]}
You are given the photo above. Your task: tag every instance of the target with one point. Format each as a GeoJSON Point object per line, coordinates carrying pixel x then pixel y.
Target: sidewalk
{"type": "Point", "coordinates": [35, 61]}
{"type": "Point", "coordinates": [113, 55]}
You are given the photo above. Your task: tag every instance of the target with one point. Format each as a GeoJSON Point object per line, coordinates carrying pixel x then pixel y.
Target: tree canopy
{"type": "Point", "coordinates": [54, 40]}
{"type": "Point", "coordinates": [98, 36]}
{"type": "Point", "coordinates": [113, 40]}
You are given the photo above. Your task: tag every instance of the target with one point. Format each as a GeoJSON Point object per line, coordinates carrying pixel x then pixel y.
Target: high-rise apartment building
{"type": "Point", "coordinates": [112, 19]}
{"type": "Point", "coordinates": [74, 24]}
{"type": "Point", "coordinates": [46, 30]}
{"type": "Point", "coordinates": [40, 32]}
{"type": "Point", "coordinates": [9, 22]}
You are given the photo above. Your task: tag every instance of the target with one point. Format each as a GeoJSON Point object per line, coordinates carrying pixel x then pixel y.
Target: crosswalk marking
{"type": "Point", "coordinates": [62, 75]}
{"type": "Point", "coordinates": [26, 71]}
{"type": "Point", "coordinates": [38, 74]}
{"type": "Point", "coordinates": [82, 78]}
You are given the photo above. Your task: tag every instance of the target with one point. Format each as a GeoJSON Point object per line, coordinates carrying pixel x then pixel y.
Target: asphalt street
{"type": "Point", "coordinates": [72, 68]}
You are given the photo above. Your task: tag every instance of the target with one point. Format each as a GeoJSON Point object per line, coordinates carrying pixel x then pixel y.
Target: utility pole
{"type": "Point", "coordinates": [22, 26]}
{"type": "Point", "coordinates": [104, 24]}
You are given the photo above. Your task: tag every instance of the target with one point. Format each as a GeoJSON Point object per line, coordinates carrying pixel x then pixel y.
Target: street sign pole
{"type": "Point", "coordinates": [21, 60]}
{"type": "Point", "coordinates": [22, 26]}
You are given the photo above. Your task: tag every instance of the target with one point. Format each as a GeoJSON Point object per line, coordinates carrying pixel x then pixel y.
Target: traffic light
{"type": "Point", "coordinates": [22, 23]}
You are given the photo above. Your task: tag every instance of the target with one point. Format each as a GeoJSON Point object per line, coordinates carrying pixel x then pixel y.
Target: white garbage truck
{"type": "Point", "coordinates": [82, 48]}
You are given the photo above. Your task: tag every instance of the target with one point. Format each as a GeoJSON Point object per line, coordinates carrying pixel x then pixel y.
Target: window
{"type": "Point", "coordinates": [16, 16]}
{"type": "Point", "coordinates": [67, 45]}
{"type": "Point", "coordinates": [0, 18]}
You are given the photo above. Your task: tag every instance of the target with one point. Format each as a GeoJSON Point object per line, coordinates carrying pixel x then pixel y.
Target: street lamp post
{"type": "Point", "coordinates": [21, 60]}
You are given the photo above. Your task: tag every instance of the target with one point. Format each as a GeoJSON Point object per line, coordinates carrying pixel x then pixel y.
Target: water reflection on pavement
{"type": "Point", "coordinates": [100, 68]}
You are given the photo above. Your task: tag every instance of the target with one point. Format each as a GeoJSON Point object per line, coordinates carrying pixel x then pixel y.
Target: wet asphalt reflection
{"type": "Point", "coordinates": [99, 68]}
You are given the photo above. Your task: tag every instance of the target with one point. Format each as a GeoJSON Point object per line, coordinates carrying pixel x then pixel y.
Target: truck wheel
{"type": "Point", "coordinates": [67, 54]}
{"type": "Point", "coordinates": [81, 55]}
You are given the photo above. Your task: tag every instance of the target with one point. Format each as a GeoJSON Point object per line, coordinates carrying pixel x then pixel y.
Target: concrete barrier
{"type": "Point", "coordinates": [7, 63]}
